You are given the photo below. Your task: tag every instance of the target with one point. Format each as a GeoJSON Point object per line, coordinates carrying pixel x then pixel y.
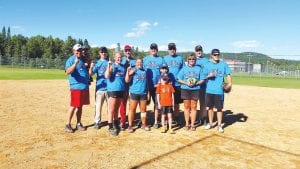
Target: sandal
{"type": "Point", "coordinates": [193, 128]}
{"type": "Point", "coordinates": [186, 127]}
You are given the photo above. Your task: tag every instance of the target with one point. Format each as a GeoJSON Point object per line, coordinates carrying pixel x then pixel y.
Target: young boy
{"type": "Point", "coordinates": [162, 70]}
{"type": "Point", "coordinates": [165, 100]}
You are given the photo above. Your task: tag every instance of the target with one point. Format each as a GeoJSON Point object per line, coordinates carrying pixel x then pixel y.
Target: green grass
{"type": "Point", "coordinates": [7, 73]}
{"type": "Point", "coordinates": [274, 82]}
{"type": "Point", "coordinates": [30, 74]}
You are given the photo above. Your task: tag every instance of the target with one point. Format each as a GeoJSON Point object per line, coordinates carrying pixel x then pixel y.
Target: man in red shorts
{"type": "Point", "coordinates": [79, 87]}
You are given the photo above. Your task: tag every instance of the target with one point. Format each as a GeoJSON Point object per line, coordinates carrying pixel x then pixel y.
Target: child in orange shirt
{"type": "Point", "coordinates": [165, 99]}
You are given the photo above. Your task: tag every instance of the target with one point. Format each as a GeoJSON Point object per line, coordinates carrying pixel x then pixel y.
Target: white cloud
{"type": "Point", "coordinates": [162, 47]}
{"type": "Point", "coordinates": [247, 44]}
{"type": "Point", "coordinates": [18, 28]}
{"type": "Point", "coordinates": [94, 45]}
{"type": "Point", "coordinates": [140, 29]}
{"type": "Point", "coordinates": [112, 46]}
{"type": "Point", "coordinates": [173, 41]}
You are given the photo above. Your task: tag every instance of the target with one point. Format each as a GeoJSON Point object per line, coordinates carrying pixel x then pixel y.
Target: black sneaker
{"type": "Point", "coordinates": [113, 131]}
{"type": "Point", "coordinates": [122, 127]}
{"type": "Point", "coordinates": [68, 128]}
{"type": "Point", "coordinates": [80, 127]}
{"type": "Point", "coordinates": [97, 125]}
{"type": "Point", "coordinates": [174, 123]}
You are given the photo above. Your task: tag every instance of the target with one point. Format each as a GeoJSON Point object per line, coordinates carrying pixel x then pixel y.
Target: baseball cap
{"type": "Point", "coordinates": [198, 47]}
{"type": "Point", "coordinates": [103, 49]}
{"type": "Point", "coordinates": [153, 46]}
{"type": "Point", "coordinates": [164, 66]}
{"type": "Point", "coordinates": [171, 46]}
{"type": "Point", "coordinates": [77, 46]}
{"type": "Point", "coordinates": [127, 47]}
{"type": "Point", "coordinates": [215, 51]}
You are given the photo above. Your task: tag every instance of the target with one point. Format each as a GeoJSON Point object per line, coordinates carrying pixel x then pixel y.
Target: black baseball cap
{"type": "Point", "coordinates": [103, 49]}
{"type": "Point", "coordinates": [171, 46]}
{"type": "Point", "coordinates": [215, 51]}
{"type": "Point", "coordinates": [153, 46]}
{"type": "Point", "coordinates": [198, 47]}
{"type": "Point", "coordinates": [164, 66]}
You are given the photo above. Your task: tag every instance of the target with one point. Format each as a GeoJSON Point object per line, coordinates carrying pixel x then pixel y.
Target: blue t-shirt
{"type": "Point", "coordinates": [138, 84]}
{"type": "Point", "coordinates": [152, 65]}
{"type": "Point", "coordinates": [190, 74]}
{"type": "Point", "coordinates": [79, 78]}
{"type": "Point", "coordinates": [202, 62]}
{"type": "Point", "coordinates": [175, 64]}
{"type": "Point", "coordinates": [125, 63]}
{"type": "Point", "coordinates": [214, 84]}
{"type": "Point", "coordinates": [116, 82]}
{"type": "Point", "coordinates": [99, 69]}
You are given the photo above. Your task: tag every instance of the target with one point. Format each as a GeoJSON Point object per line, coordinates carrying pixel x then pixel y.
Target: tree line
{"type": "Point", "coordinates": [19, 46]}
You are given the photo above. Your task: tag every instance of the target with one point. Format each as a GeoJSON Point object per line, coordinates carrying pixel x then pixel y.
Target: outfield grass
{"type": "Point", "coordinates": [7, 73]}
{"type": "Point", "coordinates": [275, 82]}
{"type": "Point", "coordinates": [30, 74]}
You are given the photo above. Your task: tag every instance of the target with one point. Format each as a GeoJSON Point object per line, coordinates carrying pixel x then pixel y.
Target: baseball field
{"type": "Point", "coordinates": [262, 130]}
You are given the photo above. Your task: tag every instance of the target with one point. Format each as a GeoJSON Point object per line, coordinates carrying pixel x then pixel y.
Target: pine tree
{"type": "Point", "coordinates": [10, 45]}
{"type": "Point", "coordinates": [3, 42]}
{"type": "Point", "coordinates": [86, 43]}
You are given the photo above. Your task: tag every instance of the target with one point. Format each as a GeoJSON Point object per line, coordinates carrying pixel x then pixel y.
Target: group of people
{"type": "Point", "coordinates": [168, 81]}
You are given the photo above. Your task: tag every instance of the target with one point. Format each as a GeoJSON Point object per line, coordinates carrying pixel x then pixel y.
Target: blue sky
{"type": "Point", "coordinates": [267, 26]}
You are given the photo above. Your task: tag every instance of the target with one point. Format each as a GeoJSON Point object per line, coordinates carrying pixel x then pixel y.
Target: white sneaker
{"type": "Point", "coordinates": [207, 127]}
{"type": "Point", "coordinates": [220, 129]}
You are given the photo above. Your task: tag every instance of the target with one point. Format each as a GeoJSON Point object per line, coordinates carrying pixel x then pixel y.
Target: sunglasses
{"type": "Point", "coordinates": [191, 59]}
{"type": "Point", "coordinates": [127, 50]}
{"type": "Point", "coordinates": [216, 54]}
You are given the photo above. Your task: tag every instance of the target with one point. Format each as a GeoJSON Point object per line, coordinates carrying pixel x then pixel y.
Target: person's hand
{"type": "Point", "coordinates": [211, 74]}
{"type": "Point", "coordinates": [92, 64]}
{"type": "Point", "coordinates": [159, 106]}
{"type": "Point", "coordinates": [76, 60]}
{"type": "Point", "coordinates": [148, 96]}
{"type": "Point", "coordinates": [130, 71]}
{"type": "Point", "coordinates": [191, 84]}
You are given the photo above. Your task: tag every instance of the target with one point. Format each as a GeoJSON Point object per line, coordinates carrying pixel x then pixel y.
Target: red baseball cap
{"type": "Point", "coordinates": [128, 47]}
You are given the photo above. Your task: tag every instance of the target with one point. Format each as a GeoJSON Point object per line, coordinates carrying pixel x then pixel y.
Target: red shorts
{"type": "Point", "coordinates": [79, 98]}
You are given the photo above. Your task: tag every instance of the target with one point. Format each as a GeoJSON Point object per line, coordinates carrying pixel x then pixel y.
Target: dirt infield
{"type": "Point", "coordinates": [262, 130]}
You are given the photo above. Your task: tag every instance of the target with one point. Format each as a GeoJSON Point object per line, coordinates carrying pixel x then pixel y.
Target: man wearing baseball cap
{"type": "Point", "coordinates": [127, 60]}
{"type": "Point", "coordinates": [215, 73]}
{"type": "Point", "coordinates": [79, 87]}
{"type": "Point", "coordinates": [201, 61]}
{"type": "Point", "coordinates": [152, 63]}
{"type": "Point", "coordinates": [101, 85]}
{"type": "Point", "coordinates": [175, 63]}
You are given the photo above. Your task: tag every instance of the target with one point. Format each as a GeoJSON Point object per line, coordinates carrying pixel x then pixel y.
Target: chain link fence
{"type": "Point", "coordinates": [36, 63]}
{"type": "Point", "coordinates": [267, 70]}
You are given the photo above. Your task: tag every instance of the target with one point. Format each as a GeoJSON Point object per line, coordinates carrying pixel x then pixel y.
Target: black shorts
{"type": "Point", "coordinates": [166, 109]}
{"type": "Point", "coordinates": [153, 96]}
{"type": "Point", "coordinates": [177, 95]}
{"type": "Point", "coordinates": [138, 97]}
{"type": "Point", "coordinates": [214, 100]}
{"type": "Point", "coordinates": [115, 94]}
{"type": "Point", "coordinates": [189, 94]}
{"type": "Point", "coordinates": [202, 96]}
